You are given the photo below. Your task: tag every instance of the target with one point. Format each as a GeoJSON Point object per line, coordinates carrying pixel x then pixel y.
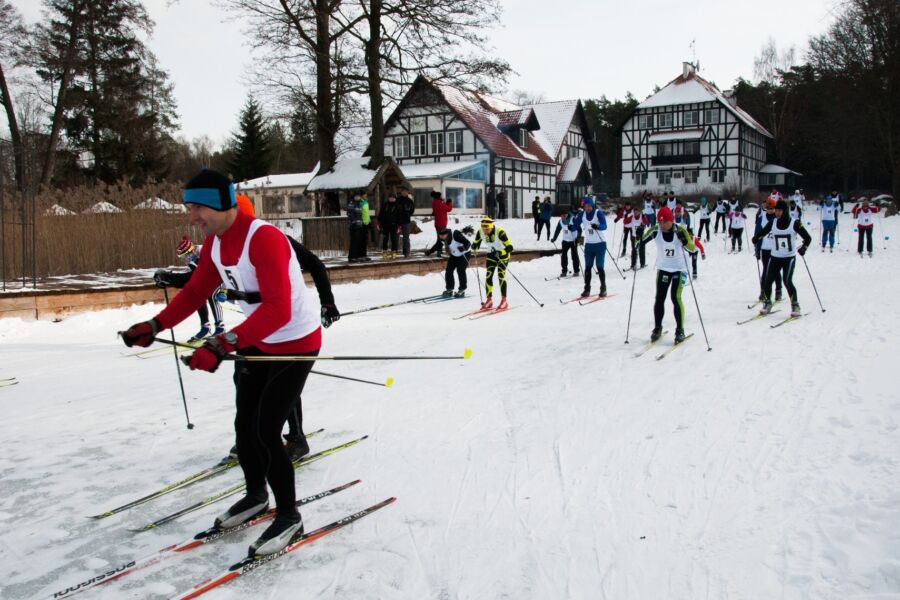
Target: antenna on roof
{"type": "Point", "coordinates": [693, 47]}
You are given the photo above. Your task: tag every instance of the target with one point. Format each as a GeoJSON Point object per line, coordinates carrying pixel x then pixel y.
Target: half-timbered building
{"type": "Point", "coordinates": [463, 144]}
{"type": "Point", "coordinates": [691, 138]}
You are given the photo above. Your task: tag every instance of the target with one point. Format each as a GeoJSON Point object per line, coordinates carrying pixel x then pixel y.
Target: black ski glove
{"type": "Point", "coordinates": [594, 226]}
{"type": "Point", "coordinates": [162, 278]}
{"type": "Point", "coordinates": [330, 314]}
{"type": "Point", "coordinates": [801, 250]}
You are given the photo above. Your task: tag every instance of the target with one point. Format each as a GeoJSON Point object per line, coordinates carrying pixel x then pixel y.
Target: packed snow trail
{"type": "Point", "coordinates": [552, 464]}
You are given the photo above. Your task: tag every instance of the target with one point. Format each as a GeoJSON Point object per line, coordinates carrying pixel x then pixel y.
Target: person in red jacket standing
{"type": "Point", "coordinates": [440, 208]}
{"type": "Point", "coordinates": [252, 259]}
{"type": "Point", "coordinates": [865, 223]}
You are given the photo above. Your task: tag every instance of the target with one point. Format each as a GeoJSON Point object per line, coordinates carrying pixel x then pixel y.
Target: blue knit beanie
{"type": "Point", "coordinates": [211, 189]}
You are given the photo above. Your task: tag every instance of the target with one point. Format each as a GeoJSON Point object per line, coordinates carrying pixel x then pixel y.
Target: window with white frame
{"type": "Point", "coordinates": [667, 149]}
{"type": "Point", "coordinates": [718, 176]}
{"type": "Point", "coordinates": [640, 178]}
{"type": "Point", "coordinates": [691, 175]}
{"type": "Point", "coordinates": [692, 148]}
{"type": "Point", "coordinates": [664, 177]}
{"type": "Point", "coordinates": [401, 146]}
{"type": "Point", "coordinates": [418, 144]}
{"type": "Point", "coordinates": [711, 116]}
{"type": "Point", "coordinates": [691, 118]}
{"type": "Point", "coordinates": [454, 142]}
{"type": "Point", "coordinates": [435, 143]}
{"type": "Point", "coordinates": [523, 138]}
{"type": "Point", "coordinates": [645, 121]}
{"type": "Point", "coordinates": [666, 119]}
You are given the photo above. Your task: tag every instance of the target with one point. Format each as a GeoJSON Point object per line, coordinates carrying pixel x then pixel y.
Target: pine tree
{"type": "Point", "coordinates": [118, 112]}
{"type": "Point", "coordinates": [251, 145]}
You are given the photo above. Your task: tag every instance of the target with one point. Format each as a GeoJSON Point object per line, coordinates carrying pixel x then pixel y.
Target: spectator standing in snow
{"type": "Point", "coordinates": [440, 208]}
{"type": "Point", "coordinates": [388, 222]}
{"type": "Point", "coordinates": [546, 213]}
{"type": "Point", "coordinates": [536, 212]}
{"type": "Point", "coordinates": [358, 219]}
{"type": "Point", "coordinates": [407, 209]}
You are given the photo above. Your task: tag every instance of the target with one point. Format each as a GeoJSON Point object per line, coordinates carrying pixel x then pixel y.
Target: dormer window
{"type": "Point", "coordinates": [523, 138]}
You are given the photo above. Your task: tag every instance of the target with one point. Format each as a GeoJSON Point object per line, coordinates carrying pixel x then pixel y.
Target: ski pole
{"type": "Point", "coordinates": [539, 303]}
{"type": "Point", "coordinates": [747, 238]}
{"type": "Point", "coordinates": [884, 238]}
{"type": "Point", "coordinates": [178, 369]}
{"type": "Point", "coordinates": [390, 304]}
{"type": "Point", "coordinates": [812, 282]}
{"type": "Point", "coordinates": [615, 263]}
{"type": "Point", "coordinates": [388, 383]}
{"type": "Point", "coordinates": [696, 303]}
{"type": "Point", "coordinates": [630, 303]}
{"type": "Point", "coordinates": [477, 279]}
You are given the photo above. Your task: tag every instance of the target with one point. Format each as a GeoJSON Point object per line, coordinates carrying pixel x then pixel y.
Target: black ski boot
{"type": "Point", "coordinates": [296, 449]}
{"type": "Point", "coordinates": [460, 294]}
{"type": "Point", "coordinates": [586, 292]}
{"type": "Point", "coordinates": [602, 291]}
{"type": "Point", "coordinates": [278, 534]}
{"type": "Point", "coordinates": [447, 294]}
{"type": "Point", "coordinates": [655, 334]}
{"type": "Point", "coordinates": [679, 335]}
{"type": "Point", "coordinates": [243, 510]}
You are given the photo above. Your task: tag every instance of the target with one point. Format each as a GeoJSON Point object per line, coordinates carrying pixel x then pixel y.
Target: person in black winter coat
{"type": "Point", "coordinates": [389, 218]}
{"type": "Point", "coordinates": [407, 209]}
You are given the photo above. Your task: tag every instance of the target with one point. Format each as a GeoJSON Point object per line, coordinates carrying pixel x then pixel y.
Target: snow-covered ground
{"type": "Point", "coordinates": [553, 464]}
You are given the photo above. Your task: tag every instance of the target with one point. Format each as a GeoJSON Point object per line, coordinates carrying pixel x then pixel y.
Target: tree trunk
{"type": "Point", "coordinates": [373, 72]}
{"type": "Point", "coordinates": [71, 48]}
{"type": "Point", "coordinates": [14, 133]}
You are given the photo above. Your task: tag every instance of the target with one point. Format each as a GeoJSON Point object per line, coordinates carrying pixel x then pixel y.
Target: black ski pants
{"type": "Point", "coordinates": [626, 234]}
{"type": "Point", "coordinates": [458, 264]}
{"type": "Point", "coordinates": [737, 237]}
{"type": "Point", "coordinates": [766, 258]}
{"type": "Point", "coordinates": [703, 223]}
{"type": "Point", "coordinates": [570, 247]}
{"type": "Point", "coordinates": [541, 225]}
{"type": "Point", "coordinates": [669, 283]}
{"type": "Point", "coordinates": [720, 217]}
{"type": "Point", "coordinates": [638, 249]}
{"type": "Point", "coordinates": [266, 393]}
{"type": "Point", "coordinates": [783, 266]}
{"type": "Point", "coordinates": [867, 235]}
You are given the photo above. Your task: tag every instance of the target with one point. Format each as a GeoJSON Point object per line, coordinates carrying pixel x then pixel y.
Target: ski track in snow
{"type": "Point", "coordinates": [552, 464]}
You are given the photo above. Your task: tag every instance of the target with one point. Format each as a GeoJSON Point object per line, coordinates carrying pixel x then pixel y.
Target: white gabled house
{"type": "Point", "coordinates": [280, 195]}
{"type": "Point", "coordinates": [691, 137]}
{"type": "Point", "coordinates": [463, 143]}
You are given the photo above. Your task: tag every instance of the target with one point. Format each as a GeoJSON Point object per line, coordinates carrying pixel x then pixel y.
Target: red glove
{"type": "Point", "coordinates": [210, 355]}
{"type": "Point", "coordinates": [141, 334]}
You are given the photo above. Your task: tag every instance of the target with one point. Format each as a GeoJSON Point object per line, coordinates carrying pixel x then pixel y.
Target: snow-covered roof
{"type": "Point", "coordinates": [777, 169]}
{"type": "Point", "coordinates": [684, 134]}
{"type": "Point", "coordinates": [481, 113]}
{"type": "Point", "coordinates": [570, 169]}
{"type": "Point", "coordinates": [350, 174]}
{"type": "Point", "coordinates": [693, 89]}
{"type": "Point", "coordinates": [438, 170]}
{"type": "Point", "coordinates": [102, 207]}
{"type": "Point", "coordinates": [160, 204]}
{"type": "Point", "coordinates": [58, 211]}
{"type": "Point", "coordinates": [555, 119]}
{"type": "Point", "coordinates": [284, 180]}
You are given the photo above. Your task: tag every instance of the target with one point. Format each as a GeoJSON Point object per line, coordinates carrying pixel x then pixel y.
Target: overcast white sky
{"type": "Point", "coordinates": [560, 48]}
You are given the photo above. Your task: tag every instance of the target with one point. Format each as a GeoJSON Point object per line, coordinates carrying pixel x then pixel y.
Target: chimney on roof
{"type": "Point", "coordinates": [729, 95]}
{"type": "Point", "coordinates": [687, 69]}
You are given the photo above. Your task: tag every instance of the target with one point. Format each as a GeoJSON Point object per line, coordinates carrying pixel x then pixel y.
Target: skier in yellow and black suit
{"type": "Point", "coordinates": [499, 250]}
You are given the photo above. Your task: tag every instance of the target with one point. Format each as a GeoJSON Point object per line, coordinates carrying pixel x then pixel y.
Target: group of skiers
{"type": "Point", "coordinates": [249, 261]}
